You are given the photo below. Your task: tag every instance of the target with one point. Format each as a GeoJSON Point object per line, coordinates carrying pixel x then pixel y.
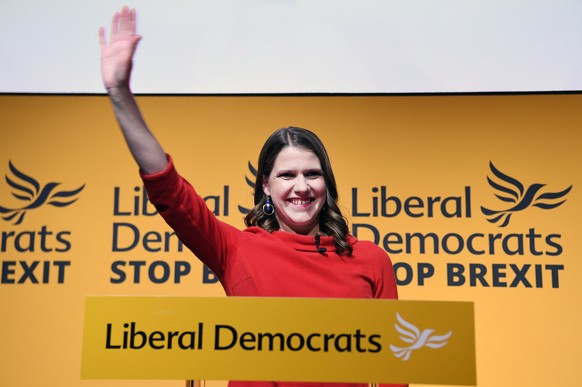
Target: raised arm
{"type": "Point", "coordinates": [116, 65]}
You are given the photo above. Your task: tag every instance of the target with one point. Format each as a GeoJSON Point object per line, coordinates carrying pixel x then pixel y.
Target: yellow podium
{"type": "Point", "coordinates": [279, 339]}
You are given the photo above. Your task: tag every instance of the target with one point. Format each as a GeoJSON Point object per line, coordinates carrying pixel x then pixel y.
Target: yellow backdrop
{"type": "Point", "coordinates": [474, 197]}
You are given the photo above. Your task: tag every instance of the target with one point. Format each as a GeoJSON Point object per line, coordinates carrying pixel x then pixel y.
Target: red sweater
{"type": "Point", "coordinates": [254, 262]}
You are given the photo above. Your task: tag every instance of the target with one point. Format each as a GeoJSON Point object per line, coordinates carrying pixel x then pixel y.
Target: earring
{"type": "Point", "coordinates": [268, 208]}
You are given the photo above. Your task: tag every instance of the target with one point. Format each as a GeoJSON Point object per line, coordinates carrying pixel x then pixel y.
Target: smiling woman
{"type": "Point", "coordinates": [297, 242]}
{"type": "Point", "coordinates": [296, 180]}
{"type": "Point", "coordinates": [297, 188]}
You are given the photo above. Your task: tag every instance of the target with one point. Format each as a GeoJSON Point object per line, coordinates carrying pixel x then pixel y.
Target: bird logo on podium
{"type": "Point", "coordinates": [417, 339]}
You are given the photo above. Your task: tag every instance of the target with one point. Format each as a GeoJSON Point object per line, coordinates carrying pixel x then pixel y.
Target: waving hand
{"type": "Point", "coordinates": [117, 54]}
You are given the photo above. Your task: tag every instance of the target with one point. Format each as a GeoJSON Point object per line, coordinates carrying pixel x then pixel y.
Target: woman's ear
{"type": "Point", "coordinates": [266, 189]}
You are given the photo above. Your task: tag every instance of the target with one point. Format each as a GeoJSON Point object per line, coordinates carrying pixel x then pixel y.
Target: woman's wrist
{"type": "Point", "coordinates": [115, 90]}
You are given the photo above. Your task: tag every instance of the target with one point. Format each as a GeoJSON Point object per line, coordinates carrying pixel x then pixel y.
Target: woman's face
{"type": "Point", "coordinates": [297, 189]}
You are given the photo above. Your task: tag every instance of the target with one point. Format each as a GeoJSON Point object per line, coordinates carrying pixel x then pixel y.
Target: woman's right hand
{"type": "Point", "coordinates": [117, 56]}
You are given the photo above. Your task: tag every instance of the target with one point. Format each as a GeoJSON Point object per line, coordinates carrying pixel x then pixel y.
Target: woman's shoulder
{"type": "Point", "coordinates": [256, 231]}
{"type": "Point", "coordinates": [366, 248]}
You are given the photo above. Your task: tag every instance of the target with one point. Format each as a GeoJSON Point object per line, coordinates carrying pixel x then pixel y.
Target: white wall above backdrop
{"type": "Point", "coordinates": [300, 46]}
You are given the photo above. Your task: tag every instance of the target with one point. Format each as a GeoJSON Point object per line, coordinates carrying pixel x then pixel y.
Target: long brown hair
{"type": "Point", "coordinates": [331, 220]}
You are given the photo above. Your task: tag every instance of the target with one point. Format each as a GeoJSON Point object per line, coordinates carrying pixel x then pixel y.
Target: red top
{"type": "Point", "coordinates": [254, 262]}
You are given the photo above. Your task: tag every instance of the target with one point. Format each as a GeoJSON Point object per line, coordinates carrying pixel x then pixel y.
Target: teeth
{"type": "Point", "coordinates": [300, 202]}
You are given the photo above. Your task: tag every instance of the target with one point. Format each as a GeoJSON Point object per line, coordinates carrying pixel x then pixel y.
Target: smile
{"type": "Point", "coordinates": [301, 202]}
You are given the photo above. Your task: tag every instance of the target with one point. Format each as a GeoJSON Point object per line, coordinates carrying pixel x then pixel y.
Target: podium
{"type": "Point", "coordinates": [279, 339]}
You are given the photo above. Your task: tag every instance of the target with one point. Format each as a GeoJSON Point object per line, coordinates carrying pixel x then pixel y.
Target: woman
{"type": "Point", "coordinates": [297, 242]}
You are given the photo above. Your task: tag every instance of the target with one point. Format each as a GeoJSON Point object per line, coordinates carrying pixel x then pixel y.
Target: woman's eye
{"type": "Point", "coordinates": [286, 175]}
{"type": "Point", "coordinates": [312, 175]}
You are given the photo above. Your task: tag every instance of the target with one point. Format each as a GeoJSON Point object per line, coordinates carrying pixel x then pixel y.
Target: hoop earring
{"type": "Point", "coordinates": [268, 208]}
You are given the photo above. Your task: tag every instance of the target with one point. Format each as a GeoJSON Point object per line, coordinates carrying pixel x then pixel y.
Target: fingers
{"type": "Point", "coordinates": [115, 23]}
{"type": "Point", "coordinates": [132, 22]}
{"type": "Point", "coordinates": [136, 40]}
{"type": "Point", "coordinates": [124, 22]}
{"type": "Point", "coordinates": [127, 20]}
{"type": "Point", "coordinates": [102, 38]}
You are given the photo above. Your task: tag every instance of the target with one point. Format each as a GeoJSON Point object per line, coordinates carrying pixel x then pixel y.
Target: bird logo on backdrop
{"type": "Point", "coordinates": [250, 182]}
{"type": "Point", "coordinates": [416, 338]}
{"type": "Point", "coordinates": [29, 191]}
{"type": "Point", "coordinates": [510, 190]}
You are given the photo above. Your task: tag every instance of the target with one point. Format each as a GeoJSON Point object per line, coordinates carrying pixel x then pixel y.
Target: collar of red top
{"type": "Point", "coordinates": [307, 242]}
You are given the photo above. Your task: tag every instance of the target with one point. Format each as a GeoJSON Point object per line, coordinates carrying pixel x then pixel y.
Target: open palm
{"type": "Point", "coordinates": [117, 56]}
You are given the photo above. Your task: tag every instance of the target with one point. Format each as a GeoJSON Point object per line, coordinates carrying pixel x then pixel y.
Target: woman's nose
{"type": "Point", "coordinates": [301, 184]}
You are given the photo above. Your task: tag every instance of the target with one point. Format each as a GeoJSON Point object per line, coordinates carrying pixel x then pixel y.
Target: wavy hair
{"type": "Point", "coordinates": [331, 220]}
